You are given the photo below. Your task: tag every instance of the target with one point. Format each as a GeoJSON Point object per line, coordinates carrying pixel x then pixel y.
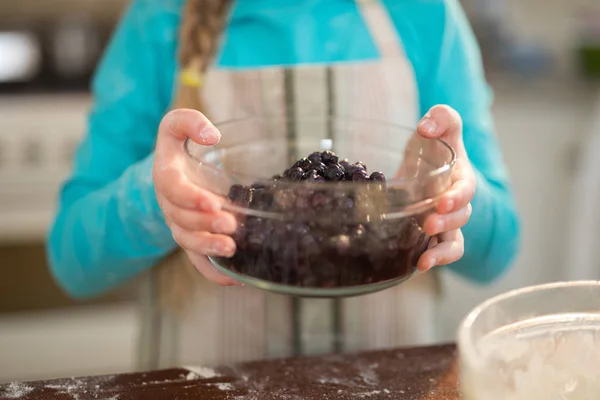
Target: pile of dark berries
{"type": "Point", "coordinates": [330, 237]}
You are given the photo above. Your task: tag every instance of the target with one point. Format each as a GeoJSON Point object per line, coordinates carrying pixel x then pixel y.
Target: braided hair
{"type": "Point", "coordinates": [203, 22]}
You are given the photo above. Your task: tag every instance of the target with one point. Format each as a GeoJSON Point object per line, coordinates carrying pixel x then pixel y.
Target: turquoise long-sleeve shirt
{"type": "Point", "coordinates": [109, 227]}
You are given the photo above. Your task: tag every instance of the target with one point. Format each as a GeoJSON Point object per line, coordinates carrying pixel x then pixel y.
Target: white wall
{"type": "Point", "coordinates": [540, 128]}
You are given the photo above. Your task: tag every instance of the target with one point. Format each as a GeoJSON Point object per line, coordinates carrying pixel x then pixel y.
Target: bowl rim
{"type": "Point", "coordinates": [446, 167]}
{"type": "Point", "coordinates": [467, 348]}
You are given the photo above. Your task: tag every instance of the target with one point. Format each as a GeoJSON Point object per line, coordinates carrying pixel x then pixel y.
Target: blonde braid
{"type": "Point", "coordinates": [203, 21]}
{"type": "Point", "coordinates": [202, 24]}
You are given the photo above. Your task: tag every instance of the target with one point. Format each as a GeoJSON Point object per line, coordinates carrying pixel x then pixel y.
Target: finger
{"type": "Point", "coordinates": [205, 267]}
{"type": "Point", "coordinates": [179, 191]}
{"type": "Point", "coordinates": [440, 223]}
{"type": "Point", "coordinates": [182, 123]}
{"type": "Point", "coordinates": [440, 120]}
{"type": "Point", "coordinates": [193, 220]}
{"type": "Point", "coordinates": [443, 122]}
{"type": "Point", "coordinates": [457, 197]}
{"type": "Point", "coordinates": [446, 252]}
{"type": "Point", "coordinates": [204, 242]}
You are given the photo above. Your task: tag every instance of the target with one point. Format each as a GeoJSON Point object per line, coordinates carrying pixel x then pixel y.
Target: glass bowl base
{"type": "Point", "coordinates": [311, 292]}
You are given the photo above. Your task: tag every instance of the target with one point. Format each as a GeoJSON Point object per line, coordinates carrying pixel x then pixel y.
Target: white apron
{"type": "Point", "coordinates": [233, 324]}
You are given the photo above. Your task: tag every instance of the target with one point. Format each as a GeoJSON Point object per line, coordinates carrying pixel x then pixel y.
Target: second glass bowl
{"type": "Point", "coordinates": [305, 227]}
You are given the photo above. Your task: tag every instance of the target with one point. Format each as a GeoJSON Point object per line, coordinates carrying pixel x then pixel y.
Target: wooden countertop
{"type": "Point", "coordinates": [426, 373]}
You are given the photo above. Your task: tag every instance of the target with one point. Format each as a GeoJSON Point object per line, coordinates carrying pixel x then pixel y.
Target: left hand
{"type": "Point", "coordinates": [454, 207]}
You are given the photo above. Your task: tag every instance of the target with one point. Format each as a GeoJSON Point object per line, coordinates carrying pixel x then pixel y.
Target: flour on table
{"type": "Point", "coordinates": [224, 386]}
{"type": "Point", "coordinates": [203, 372]}
{"type": "Point", "coordinates": [16, 390]}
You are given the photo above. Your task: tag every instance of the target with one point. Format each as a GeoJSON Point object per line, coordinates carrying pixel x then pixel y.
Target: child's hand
{"type": "Point", "coordinates": [454, 208]}
{"type": "Point", "coordinates": [194, 215]}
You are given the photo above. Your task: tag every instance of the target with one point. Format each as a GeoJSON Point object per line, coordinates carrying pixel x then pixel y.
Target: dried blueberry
{"type": "Point", "coordinates": [315, 157]}
{"type": "Point", "coordinates": [303, 164]}
{"type": "Point", "coordinates": [377, 177]}
{"type": "Point", "coordinates": [308, 244]}
{"type": "Point", "coordinates": [320, 200]}
{"type": "Point", "coordinates": [240, 195]}
{"type": "Point", "coordinates": [397, 197]}
{"type": "Point", "coordinates": [344, 204]}
{"type": "Point", "coordinates": [334, 172]}
{"type": "Point", "coordinates": [329, 157]}
{"type": "Point", "coordinates": [318, 167]}
{"type": "Point", "coordinates": [361, 164]}
{"type": "Point", "coordinates": [353, 168]}
{"type": "Point", "coordinates": [313, 176]}
{"type": "Point", "coordinates": [294, 174]}
{"type": "Point", "coordinates": [341, 243]}
{"type": "Point", "coordinates": [284, 198]}
{"type": "Point", "coordinates": [356, 232]}
{"type": "Point", "coordinates": [302, 203]}
{"type": "Point", "coordinates": [261, 199]}
{"type": "Point", "coordinates": [360, 176]}
{"type": "Point", "coordinates": [256, 239]}
{"type": "Point", "coordinates": [316, 243]}
{"type": "Point", "coordinates": [345, 164]}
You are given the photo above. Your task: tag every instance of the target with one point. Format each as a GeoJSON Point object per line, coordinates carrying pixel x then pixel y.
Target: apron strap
{"type": "Point", "coordinates": [381, 27]}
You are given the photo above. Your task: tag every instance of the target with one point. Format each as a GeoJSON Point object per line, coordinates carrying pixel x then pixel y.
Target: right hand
{"type": "Point", "coordinates": [193, 214]}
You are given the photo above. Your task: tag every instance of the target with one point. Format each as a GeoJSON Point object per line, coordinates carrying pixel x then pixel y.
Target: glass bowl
{"type": "Point", "coordinates": [540, 342]}
{"type": "Point", "coordinates": [307, 236]}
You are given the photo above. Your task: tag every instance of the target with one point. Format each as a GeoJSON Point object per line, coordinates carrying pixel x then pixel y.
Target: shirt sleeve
{"type": "Point", "coordinates": [443, 50]}
{"type": "Point", "coordinates": [108, 226]}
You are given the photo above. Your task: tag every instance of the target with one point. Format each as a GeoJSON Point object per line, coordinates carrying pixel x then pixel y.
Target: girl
{"type": "Point", "coordinates": [128, 205]}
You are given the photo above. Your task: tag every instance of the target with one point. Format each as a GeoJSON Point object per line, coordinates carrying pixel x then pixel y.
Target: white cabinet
{"type": "Point", "coordinates": [38, 135]}
{"type": "Point", "coordinates": [77, 341]}
{"type": "Point", "coordinates": [540, 127]}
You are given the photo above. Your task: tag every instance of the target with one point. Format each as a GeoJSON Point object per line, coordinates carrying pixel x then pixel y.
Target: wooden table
{"type": "Point", "coordinates": [427, 373]}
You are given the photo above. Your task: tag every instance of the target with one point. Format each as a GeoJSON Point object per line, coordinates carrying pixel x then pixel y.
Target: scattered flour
{"type": "Point", "coordinates": [369, 394]}
{"type": "Point", "coordinates": [191, 376]}
{"type": "Point", "coordinates": [203, 372]}
{"type": "Point", "coordinates": [224, 386]}
{"type": "Point", "coordinates": [16, 390]}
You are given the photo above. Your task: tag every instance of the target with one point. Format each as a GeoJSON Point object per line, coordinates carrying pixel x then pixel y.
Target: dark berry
{"type": "Point", "coordinates": [315, 157]}
{"type": "Point", "coordinates": [334, 172]}
{"type": "Point", "coordinates": [284, 198]}
{"type": "Point", "coordinates": [397, 197]}
{"type": "Point", "coordinates": [258, 185]}
{"type": "Point", "coordinates": [344, 204]}
{"type": "Point", "coordinates": [356, 232]}
{"type": "Point", "coordinates": [261, 199]}
{"type": "Point", "coordinates": [409, 233]}
{"type": "Point", "coordinates": [256, 239]}
{"type": "Point", "coordinates": [240, 195]}
{"type": "Point", "coordinates": [303, 164]}
{"type": "Point", "coordinates": [318, 166]}
{"type": "Point", "coordinates": [294, 174]}
{"type": "Point", "coordinates": [377, 177]}
{"type": "Point", "coordinates": [316, 242]}
{"type": "Point", "coordinates": [329, 157]}
{"type": "Point", "coordinates": [360, 176]}
{"type": "Point", "coordinates": [320, 200]}
{"type": "Point", "coordinates": [313, 176]}
{"type": "Point", "coordinates": [362, 165]}
{"type": "Point", "coordinates": [308, 244]}
{"type": "Point", "coordinates": [353, 168]}
{"type": "Point", "coordinates": [341, 243]}
{"type": "Point", "coordinates": [302, 203]}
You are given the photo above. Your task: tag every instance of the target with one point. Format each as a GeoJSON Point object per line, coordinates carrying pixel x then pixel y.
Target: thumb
{"type": "Point", "coordinates": [445, 123]}
{"type": "Point", "coordinates": [182, 123]}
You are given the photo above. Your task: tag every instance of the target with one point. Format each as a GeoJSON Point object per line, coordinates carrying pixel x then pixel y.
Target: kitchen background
{"type": "Point", "coordinates": [542, 58]}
